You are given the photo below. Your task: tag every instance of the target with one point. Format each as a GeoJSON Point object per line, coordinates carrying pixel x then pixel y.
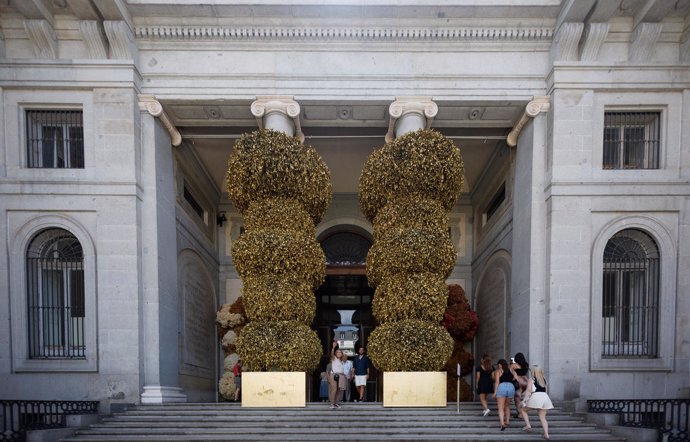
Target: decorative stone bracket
{"type": "Point", "coordinates": [152, 106]}
{"type": "Point", "coordinates": [421, 109]}
{"type": "Point", "coordinates": [533, 108]}
{"type": "Point", "coordinates": [279, 112]}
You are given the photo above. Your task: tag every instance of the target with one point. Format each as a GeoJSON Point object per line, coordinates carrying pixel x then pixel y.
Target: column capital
{"type": "Point", "coordinates": [535, 107]}
{"type": "Point", "coordinates": [423, 106]}
{"type": "Point", "coordinates": [148, 103]}
{"type": "Point", "coordinates": [281, 104]}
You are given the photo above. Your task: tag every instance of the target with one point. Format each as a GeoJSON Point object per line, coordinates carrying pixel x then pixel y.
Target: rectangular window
{"type": "Point", "coordinates": [631, 140]}
{"type": "Point", "coordinates": [193, 203]}
{"type": "Point", "coordinates": [55, 139]}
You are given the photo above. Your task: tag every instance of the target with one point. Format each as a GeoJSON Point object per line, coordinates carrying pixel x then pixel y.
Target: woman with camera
{"type": "Point", "coordinates": [336, 377]}
{"type": "Point", "coordinates": [536, 398]}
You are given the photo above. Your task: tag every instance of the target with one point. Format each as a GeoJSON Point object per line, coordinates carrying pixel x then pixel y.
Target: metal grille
{"type": "Point", "coordinates": [55, 286]}
{"type": "Point", "coordinates": [630, 296]}
{"type": "Point", "coordinates": [631, 140]}
{"type": "Point", "coordinates": [18, 417]}
{"type": "Point", "coordinates": [346, 249]}
{"type": "Point", "coordinates": [55, 139]}
{"type": "Point", "coordinates": [670, 416]}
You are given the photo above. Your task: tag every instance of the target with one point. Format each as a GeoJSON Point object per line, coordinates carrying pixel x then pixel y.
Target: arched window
{"type": "Point", "coordinates": [55, 295]}
{"type": "Point", "coordinates": [630, 308]}
{"type": "Point", "coordinates": [346, 249]}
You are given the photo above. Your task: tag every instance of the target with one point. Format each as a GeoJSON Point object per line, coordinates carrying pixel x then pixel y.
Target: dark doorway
{"type": "Point", "coordinates": [343, 303]}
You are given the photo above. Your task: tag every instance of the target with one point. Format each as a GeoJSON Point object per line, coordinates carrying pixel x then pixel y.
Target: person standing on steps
{"type": "Point", "coordinates": [348, 370]}
{"type": "Point", "coordinates": [536, 398]}
{"type": "Point", "coordinates": [336, 377]}
{"type": "Point", "coordinates": [361, 369]}
{"type": "Point", "coordinates": [485, 385]}
{"type": "Point", "coordinates": [237, 372]}
{"type": "Point", "coordinates": [519, 367]}
{"type": "Point", "coordinates": [504, 391]}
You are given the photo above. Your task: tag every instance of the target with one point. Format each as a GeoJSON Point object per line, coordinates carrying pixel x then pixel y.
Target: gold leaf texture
{"type": "Point", "coordinates": [285, 254]}
{"type": "Point", "coordinates": [278, 214]}
{"type": "Point", "coordinates": [412, 251]}
{"type": "Point", "coordinates": [410, 345]}
{"type": "Point", "coordinates": [279, 346]}
{"type": "Point", "coordinates": [403, 296]}
{"type": "Point", "coordinates": [270, 298]}
{"type": "Point", "coordinates": [270, 164]}
{"type": "Point", "coordinates": [402, 214]}
{"type": "Point", "coordinates": [423, 163]}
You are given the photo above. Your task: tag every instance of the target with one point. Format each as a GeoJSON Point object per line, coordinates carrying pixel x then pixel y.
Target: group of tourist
{"type": "Point", "coordinates": [514, 381]}
{"type": "Point", "coordinates": [340, 373]}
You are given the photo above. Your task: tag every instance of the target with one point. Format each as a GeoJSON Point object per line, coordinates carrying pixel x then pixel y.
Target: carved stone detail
{"type": "Point", "coordinates": [684, 47]}
{"type": "Point", "coordinates": [283, 104]}
{"type": "Point", "coordinates": [533, 108]}
{"type": "Point", "coordinates": [565, 42]}
{"type": "Point", "coordinates": [43, 38]}
{"type": "Point", "coordinates": [121, 39]}
{"type": "Point", "coordinates": [423, 106]}
{"type": "Point", "coordinates": [93, 37]}
{"type": "Point", "coordinates": [643, 41]}
{"type": "Point", "coordinates": [527, 34]}
{"type": "Point", "coordinates": [148, 103]}
{"type": "Point", "coordinates": [592, 40]}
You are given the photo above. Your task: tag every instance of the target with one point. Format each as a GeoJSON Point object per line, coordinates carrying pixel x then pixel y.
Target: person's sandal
{"type": "Point", "coordinates": [527, 429]}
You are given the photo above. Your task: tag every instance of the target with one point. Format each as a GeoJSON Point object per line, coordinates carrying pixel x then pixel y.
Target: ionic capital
{"type": "Point", "coordinates": [148, 103]}
{"type": "Point", "coordinates": [283, 105]}
{"type": "Point", "coordinates": [533, 108]}
{"type": "Point", "coordinates": [402, 106]}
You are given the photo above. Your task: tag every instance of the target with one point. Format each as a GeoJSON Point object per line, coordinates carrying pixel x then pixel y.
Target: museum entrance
{"type": "Point", "coordinates": [343, 304]}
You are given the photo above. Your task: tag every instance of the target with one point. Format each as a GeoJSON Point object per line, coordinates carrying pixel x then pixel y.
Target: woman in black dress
{"type": "Point", "coordinates": [519, 368]}
{"type": "Point", "coordinates": [485, 385]}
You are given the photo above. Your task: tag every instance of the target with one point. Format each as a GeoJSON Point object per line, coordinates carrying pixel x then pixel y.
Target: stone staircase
{"type": "Point", "coordinates": [316, 422]}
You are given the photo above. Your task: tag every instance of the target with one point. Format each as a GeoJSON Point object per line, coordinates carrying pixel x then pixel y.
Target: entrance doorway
{"type": "Point", "coordinates": [343, 303]}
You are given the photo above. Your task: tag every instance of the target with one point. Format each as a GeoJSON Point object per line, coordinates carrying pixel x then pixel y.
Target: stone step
{"type": "Point", "coordinates": [316, 422]}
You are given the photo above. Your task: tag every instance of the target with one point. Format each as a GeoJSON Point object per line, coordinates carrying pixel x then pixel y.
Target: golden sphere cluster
{"type": "Point", "coordinates": [423, 163]}
{"type": "Point", "coordinates": [410, 345]}
{"type": "Point", "coordinates": [410, 296]}
{"type": "Point", "coordinates": [406, 189]}
{"type": "Point", "coordinates": [279, 346]}
{"type": "Point", "coordinates": [282, 188]}
{"type": "Point", "coordinates": [269, 164]}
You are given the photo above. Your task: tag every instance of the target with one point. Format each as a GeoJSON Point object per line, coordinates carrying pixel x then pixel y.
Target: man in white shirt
{"type": "Point", "coordinates": [349, 372]}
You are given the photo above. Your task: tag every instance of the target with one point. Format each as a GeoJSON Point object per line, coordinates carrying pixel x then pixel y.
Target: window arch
{"type": "Point", "coordinates": [345, 249]}
{"type": "Point", "coordinates": [630, 296]}
{"type": "Point", "coordinates": [55, 296]}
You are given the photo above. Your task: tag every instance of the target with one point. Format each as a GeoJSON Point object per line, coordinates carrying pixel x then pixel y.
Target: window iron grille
{"type": "Point", "coordinates": [55, 139]}
{"type": "Point", "coordinates": [630, 301]}
{"type": "Point", "coordinates": [631, 140]}
{"type": "Point", "coordinates": [193, 203]}
{"type": "Point", "coordinates": [55, 296]}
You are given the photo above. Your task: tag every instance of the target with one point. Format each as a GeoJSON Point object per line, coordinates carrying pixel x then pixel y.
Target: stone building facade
{"type": "Point", "coordinates": [572, 232]}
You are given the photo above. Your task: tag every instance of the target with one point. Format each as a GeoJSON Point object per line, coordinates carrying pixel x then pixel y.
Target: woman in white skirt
{"type": "Point", "coordinates": [536, 398]}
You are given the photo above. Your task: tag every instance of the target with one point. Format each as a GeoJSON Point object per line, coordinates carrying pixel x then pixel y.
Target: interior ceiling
{"type": "Point", "coordinates": [345, 134]}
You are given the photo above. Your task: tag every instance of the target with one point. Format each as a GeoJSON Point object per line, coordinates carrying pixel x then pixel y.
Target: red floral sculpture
{"type": "Point", "coordinates": [459, 319]}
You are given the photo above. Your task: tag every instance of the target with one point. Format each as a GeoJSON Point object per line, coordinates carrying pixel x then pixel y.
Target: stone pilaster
{"type": "Point", "coordinates": [159, 292]}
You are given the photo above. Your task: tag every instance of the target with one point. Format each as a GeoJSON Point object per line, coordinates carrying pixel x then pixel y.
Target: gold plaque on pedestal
{"type": "Point", "coordinates": [274, 389]}
{"type": "Point", "coordinates": [414, 389]}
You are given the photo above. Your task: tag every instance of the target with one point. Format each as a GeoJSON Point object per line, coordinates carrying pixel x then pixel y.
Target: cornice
{"type": "Point", "coordinates": [338, 33]}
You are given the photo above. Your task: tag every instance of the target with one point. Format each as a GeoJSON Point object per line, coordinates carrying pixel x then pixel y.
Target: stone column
{"type": "Point", "coordinates": [408, 114]}
{"type": "Point", "coordinates": [280, 113]}
{"type": "Point", "coordinates": [159, 303]}
{"type": "Point", "coordinates": [528, 321]}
